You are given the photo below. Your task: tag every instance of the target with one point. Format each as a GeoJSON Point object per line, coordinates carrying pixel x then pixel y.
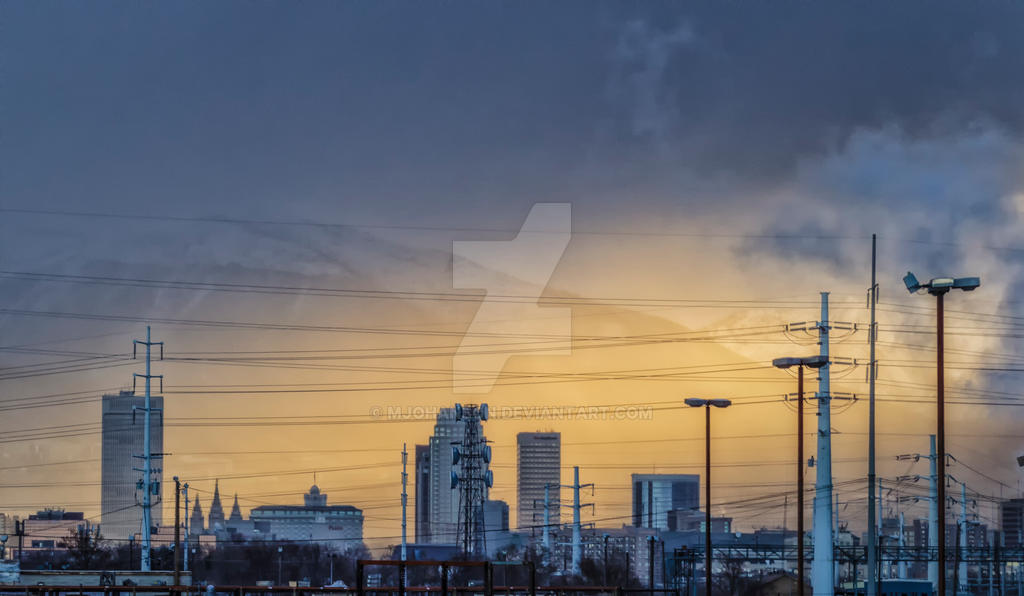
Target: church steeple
{"type": "Point", "coordinates": [216, 510]}
{"type": "Point", "coordinates": [236, 512]}
{"type": "Point", "coordinates": [196, 523]}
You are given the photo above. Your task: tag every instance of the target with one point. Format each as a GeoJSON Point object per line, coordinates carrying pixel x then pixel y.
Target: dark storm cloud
{"type": "Point", "coordinates": [754, 87]}
{"type": "Point", "coordinates": [329, 106]}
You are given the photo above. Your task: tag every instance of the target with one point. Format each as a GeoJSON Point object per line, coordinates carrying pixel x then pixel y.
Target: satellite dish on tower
{"type": "Point", "coordinates": [455, 455]}
{"type": "Point", "coordinates": [455, 479]}
{"type": "Point", "coordinates": [458, 411]}
{"type": "Point", "coordinates": [483, 412]}
{"type": "Point", "coordinates": [489, 479]}
{"type": "Point", "coordinates": [487, 453]}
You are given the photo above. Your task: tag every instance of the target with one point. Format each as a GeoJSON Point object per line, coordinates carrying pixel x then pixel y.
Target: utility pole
{"type": "Point", "coordinates": [650, 563]}
{"type": "Point", "coordinates": [547, 518]}
{"type": "Point", "coordinates": [606, 560]}
{"type": "Point", "coordinates": [933, 514]}
{"type": "Point", "coordinates": [822, 581]}
{"type": "Point", "coordinates": [881, 537]}
{"type": "Point", "coordinates": [835, 533]}
{"type": "Point", "coordinates": [901, 567]}
{"type": "Point", "coordinates": [19, 531]}
{"type": "Point", "coordinates": [188, 527]}
{"type": "Point", "coordinates": [577, 547]}
{"type": "Point", "coordinates": [177, 531]}
{"type": "Point", "coordinates": [148, 486]}
{"type": "Point", "coordinates": [405, 496]}
{"type": "Point", "coordinates": [872, 333]}
{"type": "Point", "coordinates": [963, 538]}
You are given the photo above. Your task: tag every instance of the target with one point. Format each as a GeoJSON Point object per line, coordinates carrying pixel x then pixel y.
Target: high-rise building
{"type": "Point", "coordinates": [1011, 518]}
{"type": "Point", "coordinates": [422, 488]}
{"type": "Point", "coordinates": [443, 504]}
{"type": "Point", "coordinates": [121, 484]}
{"type": "Point", "coordinates": [539, 463]}
{"type": "Point", "coordinates": [495, 516]}
{"type": "Point", "coordinates": [443, 500]}
{"type": "Point", "coordinates": [655, 495]}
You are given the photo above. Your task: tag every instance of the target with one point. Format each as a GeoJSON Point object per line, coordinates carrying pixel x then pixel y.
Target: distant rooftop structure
{"type": "Point", "coordinates": [57, 515]}
{"type": "Point", "coordinates": [314, 498]}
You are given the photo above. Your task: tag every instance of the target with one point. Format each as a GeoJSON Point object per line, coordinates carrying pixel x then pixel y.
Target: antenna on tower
{"type": "Point", "coordinates": [474, 479]}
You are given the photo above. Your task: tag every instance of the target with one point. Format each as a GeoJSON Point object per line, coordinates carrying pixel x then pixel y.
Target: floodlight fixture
{"type": "Point", "coordinates": [816, 361]}
{"type": "Point", "coordinates": [941, 285]}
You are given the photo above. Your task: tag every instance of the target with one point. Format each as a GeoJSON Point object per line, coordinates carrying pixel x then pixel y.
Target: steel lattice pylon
{"type": "Point", "coordinates": [473, 479]}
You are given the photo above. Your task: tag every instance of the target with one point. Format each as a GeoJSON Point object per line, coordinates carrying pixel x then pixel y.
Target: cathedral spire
{"type": "Point", "coordinates": [196, 524]}
{"type": "Point", "coordinates": [236, 512]}
{"type": "Point", "coordinates": [216, 510]}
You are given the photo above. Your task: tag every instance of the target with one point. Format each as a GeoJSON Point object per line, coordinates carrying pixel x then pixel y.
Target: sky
{"type": "Point", "coordinates": [724, 164]}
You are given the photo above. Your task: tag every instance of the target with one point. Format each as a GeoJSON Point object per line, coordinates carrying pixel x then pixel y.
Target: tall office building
{"type": "Point", "coordinates": [422, 488]}
{"type": "Point", "coordinates": [1011, 518]}
{"type": "Point", "coordinates": [539, 463]}
{"type": "Point", "coordinates": [442, 504]}
{"type": "Point", "coordinates": [655, 495]}
{"type": "Point", "coordinates": [122, 430]}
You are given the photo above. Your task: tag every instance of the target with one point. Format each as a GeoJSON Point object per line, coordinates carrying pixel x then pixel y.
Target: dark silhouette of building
{"type": "Point", "coordinates": [216, 510]}
{"type": "Point", "coordinates": [122, 430]}
{"type": "Point", "coordinates": [655, 495]}
{"type": "Point", "coordinates": [539, 463]}
{"type": "Point", "coordinates": [196, 523]}
{"type": "Point", "coordinates": [1011, 519]}
{"type": "Point", "coordinates": [422, 488]}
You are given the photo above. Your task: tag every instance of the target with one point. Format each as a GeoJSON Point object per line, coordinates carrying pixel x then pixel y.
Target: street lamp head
{"type": "Point", "coordinates": [911, 282]}
{"type": "Point", "coordinates": [696, 402]}
{"type": "Point", "coordinates": [967, 284]}
{"type": "Point", "coordinates": [817, 361]}
{"type": "Point", "coordinates": [941, 285]}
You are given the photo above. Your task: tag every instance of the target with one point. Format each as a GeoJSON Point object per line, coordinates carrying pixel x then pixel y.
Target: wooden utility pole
{"type": "Point", "coordinates": [177, 531]}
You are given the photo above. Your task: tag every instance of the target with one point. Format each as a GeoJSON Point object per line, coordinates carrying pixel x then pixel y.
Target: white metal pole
{"type": "Point", "coordinates": [822, 580]}
{"type": "Point", "coordinates": [147, 501]}
{"type": "Point", "coordinates": [576, 550]}
{"type": "Point", "coordinates": [902, 567]}
{"type": "Point", "coordinates": [547, 519]}
{"type": "Point", "coordinates": [878, 527]}
{"type": "Point", "coordinates": [963, 537]}
{"type": "Point", "coordinates": [405, 496]}
{"type": "Point", "coordinates": [188, 523]}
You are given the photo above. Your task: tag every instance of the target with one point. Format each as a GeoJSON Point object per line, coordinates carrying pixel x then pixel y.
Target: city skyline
{"type": "Point", "coordinates": [291, 198]}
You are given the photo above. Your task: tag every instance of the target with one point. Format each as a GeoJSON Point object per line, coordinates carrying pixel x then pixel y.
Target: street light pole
{"type": "Point", "coordinates": [707, 499]}
{"type": "Point", "coordinates": [800, 363]}
{"type": "Point", "coordinates": [706, 404]}
{"type": "Point", "coordinates": [799, 479]}
{"type": "Point", "coordinates": [940, 440]}
{"type": "Point", "coordinates": [939, 287]}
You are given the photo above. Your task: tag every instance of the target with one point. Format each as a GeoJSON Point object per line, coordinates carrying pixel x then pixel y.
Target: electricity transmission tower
{"type": "Point", "coordinates": [472, 454]}
{"type": "Point", "coordinates": [148, 487]}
